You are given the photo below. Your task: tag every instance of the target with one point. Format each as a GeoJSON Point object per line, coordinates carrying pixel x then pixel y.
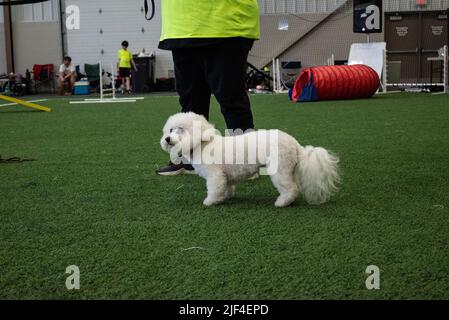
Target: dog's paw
{"type": "Point", "coordinates": [210, 202]}
{"type": "Point", "coordinates": [282, 201]}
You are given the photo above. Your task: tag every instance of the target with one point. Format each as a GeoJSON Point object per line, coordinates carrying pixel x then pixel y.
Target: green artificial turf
{"type": "Point", "coordinates": [92, 199]}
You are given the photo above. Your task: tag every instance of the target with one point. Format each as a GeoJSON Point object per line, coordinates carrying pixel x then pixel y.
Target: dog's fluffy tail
{"type": "Point", "coordinates": [317, 172]}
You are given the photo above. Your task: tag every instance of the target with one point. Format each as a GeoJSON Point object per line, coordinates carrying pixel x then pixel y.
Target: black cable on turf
{"type": "Point", "coordinates": [14, 160]}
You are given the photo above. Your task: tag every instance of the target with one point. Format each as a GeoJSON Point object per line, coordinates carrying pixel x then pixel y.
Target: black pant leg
{"type": "Point", "coordinates": [225, 67]}
{"type": "Point", "coordinates": [191, 85]}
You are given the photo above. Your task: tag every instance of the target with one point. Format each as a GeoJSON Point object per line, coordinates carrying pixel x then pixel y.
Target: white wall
{"type": "Point", "coordinates": [36, 36]}
{"type": "Point", "coordinates": [123, 19]}
{"type": "Point", "coordinates": [2, 44]}
{"type": "Point", "coordinates": [270, 7]}
{"type": "Point", "coordinates": [46, 44]}
{"type": "Point", "coordinates": [119, 20]}
{"type": "Point", "coordinates": [317, 6]}
{"type": "Point", "coordinates": [323, 41]}
{"type": "Point", "coordinates": [410, 5]}
{"type": "Point", "coordinates": [44, 11]}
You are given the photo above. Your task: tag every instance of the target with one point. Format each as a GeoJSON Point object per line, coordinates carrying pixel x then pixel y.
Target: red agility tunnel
{"type": "Point", "coordinates": [335, 82]}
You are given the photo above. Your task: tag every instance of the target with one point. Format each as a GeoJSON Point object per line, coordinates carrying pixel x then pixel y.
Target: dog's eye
{"type": "Point", "coordinates": [171, 130]}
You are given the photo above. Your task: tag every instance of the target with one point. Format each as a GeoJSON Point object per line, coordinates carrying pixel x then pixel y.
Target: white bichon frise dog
{"type": "Point", "coordinates": [225, 160]}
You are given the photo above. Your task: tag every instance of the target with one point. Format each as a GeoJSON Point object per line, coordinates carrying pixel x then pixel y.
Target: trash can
{"type": "Point", "coordinates": [394, 72]}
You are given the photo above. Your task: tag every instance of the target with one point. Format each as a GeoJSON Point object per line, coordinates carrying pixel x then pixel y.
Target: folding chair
{"type": "Point", "coordinates": [289, 72]}
{"type": "Point", "coordinates": [43, 74]}
{"type": "Point", "coordinates": [92, 72]}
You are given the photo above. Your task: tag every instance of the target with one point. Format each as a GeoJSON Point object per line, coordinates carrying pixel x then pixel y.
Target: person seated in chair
{"type": "Point", "coordinates": [67, 76]}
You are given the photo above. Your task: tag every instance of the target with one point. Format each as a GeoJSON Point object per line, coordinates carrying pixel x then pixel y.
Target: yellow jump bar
{"type": "Point", "coordinates": [25, 103]}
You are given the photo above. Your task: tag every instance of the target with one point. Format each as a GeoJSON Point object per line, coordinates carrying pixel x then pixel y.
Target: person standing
{"type": "Point", "coordinates": [124, 64]}
{"type": "Point", "coordinates": [210, 42]}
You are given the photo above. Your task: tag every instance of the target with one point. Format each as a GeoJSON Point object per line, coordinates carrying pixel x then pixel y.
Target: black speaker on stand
{"type": "Point", "coordinates": [143, 79]}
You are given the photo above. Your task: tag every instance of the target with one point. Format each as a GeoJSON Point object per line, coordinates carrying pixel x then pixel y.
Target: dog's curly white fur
{"type": "Point", "coordinates": [312, 171]}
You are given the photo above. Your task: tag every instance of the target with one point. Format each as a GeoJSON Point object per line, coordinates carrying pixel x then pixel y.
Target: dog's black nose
{"type": "Point", "coordinates": [167, 139]}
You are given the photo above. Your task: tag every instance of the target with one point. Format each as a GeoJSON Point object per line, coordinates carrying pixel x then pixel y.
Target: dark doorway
{"type": "Point", "coordinates": [412, 38]}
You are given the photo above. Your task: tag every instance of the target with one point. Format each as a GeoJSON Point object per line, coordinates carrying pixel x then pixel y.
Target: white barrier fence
{"type": "Point", "coordinates": [445, 84]}
{"type": "Point", "coordinates": [107, 92]}
{"type": "Point", "coordinates": [278, 83]}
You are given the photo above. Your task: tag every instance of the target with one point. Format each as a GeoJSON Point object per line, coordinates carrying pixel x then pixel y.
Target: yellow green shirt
{"type": "Point", "coordinates": [124, 57]}
{"type": "Point", "coordinates": [183, 19]}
